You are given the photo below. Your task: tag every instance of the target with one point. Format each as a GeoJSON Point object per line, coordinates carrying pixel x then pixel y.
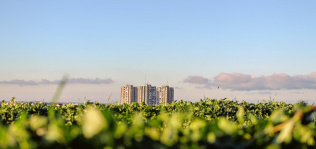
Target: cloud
{"type": "Point", "coordinates": [266, 93]}
{"type": "Point", "coordinates": [90, 81]}
{"type": "Point", "coordinates": [19, 82]}
{"type": "Point", "coordinates": [298, 93]}
{"type": "Point", "coordinates": [47, 82]}
{"type": "Point", "coordinates": [179, 88]}
{"type": "Point", "coordinates": [262, 93]}
{"type": "Point", "coordinates": [239, 81]}
{"type": "Point", "coordinates": [196, 80]}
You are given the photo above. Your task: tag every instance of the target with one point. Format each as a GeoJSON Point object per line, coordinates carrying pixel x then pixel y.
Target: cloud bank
{"type": "Point", "coordinates": [239, 81]}
{"type": "Point", "coordinates": [47, 82]}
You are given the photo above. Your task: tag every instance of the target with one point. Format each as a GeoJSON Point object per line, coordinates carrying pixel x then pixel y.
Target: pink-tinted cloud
{"type": "Point", "coordinates": [70, 81]}
{"type": "Point", "coordinates": [239, 81]}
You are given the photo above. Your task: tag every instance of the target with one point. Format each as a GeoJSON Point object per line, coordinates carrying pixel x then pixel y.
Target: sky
{"type": "Point", "coordinates": [251, 50]}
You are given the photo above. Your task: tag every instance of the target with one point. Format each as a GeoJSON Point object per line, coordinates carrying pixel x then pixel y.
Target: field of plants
{"type": "Point", "coordinates": [205, 124]}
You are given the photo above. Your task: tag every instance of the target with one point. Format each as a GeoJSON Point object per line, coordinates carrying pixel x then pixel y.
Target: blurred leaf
{"type": "Point", "coordinates": [93, 123]}
{"type": "Point", "coordinates": [240, 114]}
{"type": "Point", "coordinates": [38, 121]}
{"type": "Point", "coordinates": [227, 126]}
{"type": "Point", "coordinates": [286, 133]}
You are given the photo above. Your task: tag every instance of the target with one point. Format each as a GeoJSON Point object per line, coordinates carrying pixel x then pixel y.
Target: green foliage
{"type": "Point", "coordinates": [205, 124]}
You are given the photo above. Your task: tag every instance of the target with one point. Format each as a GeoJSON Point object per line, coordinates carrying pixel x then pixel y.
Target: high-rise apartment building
{"type": "Point", "coordinates": [147, 94]}
{"type": "Point", "coordinates": [165, 94]}
{"type": "Point", "coordinates": [128, 94]}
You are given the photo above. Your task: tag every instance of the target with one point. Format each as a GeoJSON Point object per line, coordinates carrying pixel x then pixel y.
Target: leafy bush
{"type": "Point", "coordinates": [204, 124]}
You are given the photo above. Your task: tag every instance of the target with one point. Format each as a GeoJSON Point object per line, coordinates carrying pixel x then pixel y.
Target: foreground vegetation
{"type": "Point", "coordinates": [205, 124]}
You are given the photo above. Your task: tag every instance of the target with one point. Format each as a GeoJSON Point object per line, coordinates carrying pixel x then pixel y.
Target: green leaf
{"type": "Point", "coordinates": [240, 114]}
{"type": "Point", "coordinates": [93, 123]}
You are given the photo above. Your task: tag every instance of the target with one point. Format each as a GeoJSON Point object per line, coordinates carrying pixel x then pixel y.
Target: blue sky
{"type": "Point", "coordinates": [179, 42]}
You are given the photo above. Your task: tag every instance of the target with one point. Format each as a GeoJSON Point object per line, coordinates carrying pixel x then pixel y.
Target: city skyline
{"type": "Point", "coordinates": [252, 50]}
{"type": "Point", "coordinates": [147, 94]}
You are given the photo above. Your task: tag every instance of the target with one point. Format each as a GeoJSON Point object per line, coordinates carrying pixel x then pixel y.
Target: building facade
{"type": "Point", "coordinates": [147, 94]}
{"type": "Point", "coordinates": [128, 94]}
{"type": "Point", "coordinates": [165, 94]}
